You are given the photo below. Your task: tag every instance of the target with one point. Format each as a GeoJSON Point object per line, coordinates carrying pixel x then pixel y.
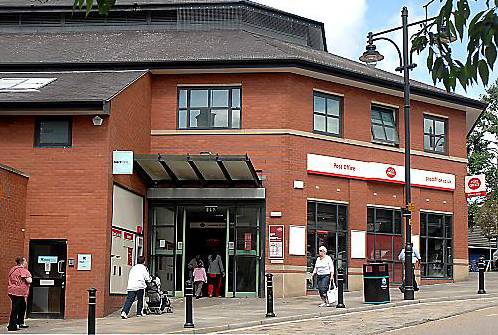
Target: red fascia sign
{"type": "Point", "coordinates": [276, 242]}
{"type": "Point", "coordinates": [475, 186]}
{"type": "Point", "coordinates": [373, 171]}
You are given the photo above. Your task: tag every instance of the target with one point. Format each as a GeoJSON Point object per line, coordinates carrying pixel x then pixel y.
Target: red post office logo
{"type": "Point", "coordinates": [474, 183]}
{"type": "Point", "coordinates": [391, 172]}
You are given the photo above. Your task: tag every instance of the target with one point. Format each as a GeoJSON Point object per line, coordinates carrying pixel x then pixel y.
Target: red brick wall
{"type": "Point", "coordinates": [129, 130]}
{"type": "Point", "coordinates": [285, 101]}
{"type": "Point", "coordinates": [12, 222]}
{"type": "Point", "coordinates": [70, 191]}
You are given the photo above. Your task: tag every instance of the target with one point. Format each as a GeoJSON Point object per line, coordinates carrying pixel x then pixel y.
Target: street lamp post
{"type": "Point", "coordinates": [372, 56]}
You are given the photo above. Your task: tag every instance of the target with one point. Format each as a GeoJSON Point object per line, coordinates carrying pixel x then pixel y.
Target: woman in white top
{"type": "Point", "coordinates": [324, 269]}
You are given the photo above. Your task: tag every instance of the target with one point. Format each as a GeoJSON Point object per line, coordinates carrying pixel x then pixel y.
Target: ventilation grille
{"type": "Point", "coordinates": [41, 19]}
{"type": "Point", "coordinates": [9, 20]}
{"type": "Point", "coordinates": [265, 22]}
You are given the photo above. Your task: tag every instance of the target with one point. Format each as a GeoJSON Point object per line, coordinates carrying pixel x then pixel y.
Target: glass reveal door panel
{"type": "Point", "coordinates": [247, 250]}
{"type": "Point", "coordinates": [163, 247]}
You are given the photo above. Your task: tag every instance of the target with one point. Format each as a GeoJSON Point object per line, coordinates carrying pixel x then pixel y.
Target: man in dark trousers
{"type": "Point", "coordinates": [415, 259]}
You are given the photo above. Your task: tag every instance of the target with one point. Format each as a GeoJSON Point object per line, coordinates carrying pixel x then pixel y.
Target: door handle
{"type": "Point", "coordinates": [60, 266]}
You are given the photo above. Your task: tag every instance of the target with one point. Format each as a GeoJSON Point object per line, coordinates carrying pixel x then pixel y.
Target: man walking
{"type": "Point", "coordinates": [18, 291]}
{"type": "Point", "coordinates": [415, 259]}
{"type": "Point", "coordinates": [137, 282]}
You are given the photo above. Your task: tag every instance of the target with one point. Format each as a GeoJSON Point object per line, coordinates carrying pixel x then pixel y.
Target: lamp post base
{"type": "Point", "coordinates": [409, 294]}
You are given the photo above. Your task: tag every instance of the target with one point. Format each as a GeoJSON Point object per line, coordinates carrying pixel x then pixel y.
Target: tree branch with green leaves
{"type": "Point", "coordinates": [481, 32]}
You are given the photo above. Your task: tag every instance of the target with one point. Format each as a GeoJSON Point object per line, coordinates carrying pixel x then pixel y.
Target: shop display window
{"type": "Point", "coordinates": [436, 245]}
{"type": "Point", "coordinates": [327, 226]}
{"type": "Point", "coordinates": [384, 239]}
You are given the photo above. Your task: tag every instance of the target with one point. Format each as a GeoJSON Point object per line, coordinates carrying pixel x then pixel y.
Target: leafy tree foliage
{"type": "Point", "coordinates": [454, 20]}
{"type": "Point", "coordinates": [482, 153]}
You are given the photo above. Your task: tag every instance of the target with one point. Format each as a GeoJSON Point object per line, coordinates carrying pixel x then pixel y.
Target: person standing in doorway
{"type": "Point", "coordinates": [324, 270]}
{"type": "Point", "coordinates": [415, 259]}
{"type": "Point", "coordinates": [18, 291]}
{"type": "Point", "coordinates": [137, 282]}
{"type": "Point", "coordinates": [199, 279]}
{"type": "Point", "coordinates": [193, 264]}
{"type": "Point", "coordinates": [215, 273]}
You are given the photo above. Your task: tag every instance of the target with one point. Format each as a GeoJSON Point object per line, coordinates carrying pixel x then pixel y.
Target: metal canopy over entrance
{"type": "Point", "coordinates": [185, 170]}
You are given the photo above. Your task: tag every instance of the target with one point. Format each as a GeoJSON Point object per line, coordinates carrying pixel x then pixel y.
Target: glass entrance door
{"type": "Point", "coordinates": [47, 264]}
{"type": "Point", "coordinates": [327, 226]}
{"type": "Point", "coordinates": [246, 260]}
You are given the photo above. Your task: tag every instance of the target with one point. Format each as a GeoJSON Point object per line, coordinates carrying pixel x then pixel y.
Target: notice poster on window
{"type": "Point", "coordinates": [297, 240]}
{"type": "Point", "coordinates": [247, 241]}
{"type": "Point", "coordinates": [276, 242]}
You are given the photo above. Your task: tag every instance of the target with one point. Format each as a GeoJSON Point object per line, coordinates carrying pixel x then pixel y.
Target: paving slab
{"type": "Point", "coordinates": [221, 314]}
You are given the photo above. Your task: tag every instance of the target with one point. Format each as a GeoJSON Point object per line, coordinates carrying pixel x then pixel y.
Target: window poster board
{"type": "Point", "coordinates": [276, 242]}
{"type": "Point", "coordinates": [358, 242]}
{"type": "Point", "coordinates": [297, 240]}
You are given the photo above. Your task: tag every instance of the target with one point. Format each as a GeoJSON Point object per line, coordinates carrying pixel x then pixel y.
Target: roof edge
{"type": "Point", "coordinates": [15, 171]}
{"type": "Point", "coordinates": [274, 63]}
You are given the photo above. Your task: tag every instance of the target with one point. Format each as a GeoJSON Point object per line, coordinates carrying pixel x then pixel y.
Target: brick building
{"type": "Point", "coordinates": [12, 219]}
{"type": "Point", "coordinates": [176, 128]}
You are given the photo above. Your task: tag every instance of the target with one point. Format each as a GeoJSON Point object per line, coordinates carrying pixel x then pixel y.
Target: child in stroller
{"type": "Point", "coordinates": [157, 301]}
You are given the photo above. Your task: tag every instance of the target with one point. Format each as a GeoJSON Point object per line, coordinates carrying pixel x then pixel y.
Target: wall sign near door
{"type": "Point", "coordinates": [84, 262]}
{"type": "Point", "coordinates": [276, 242]}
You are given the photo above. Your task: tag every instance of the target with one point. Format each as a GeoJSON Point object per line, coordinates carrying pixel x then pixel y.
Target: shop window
{"type": "Point", "coordinates": [436, 241]}
{"type": "Point", "coordinates": [327, 114]}
{"type": "Point", "coordinates": [384, 128]}
{"type": "Point", "coordinates": [209, 108]}
{"type": "Point", "coordinates": [384, 239]}
{"type": "Point", "coordinates": [327, 226]}
{"type": "Point", "coordinates": [435, 130]}
{"type": "Point", "coordinates": [53, 133]}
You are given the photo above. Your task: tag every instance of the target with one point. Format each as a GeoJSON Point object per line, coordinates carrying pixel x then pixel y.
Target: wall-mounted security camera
{"type": "Point", "coordinates": [97, 120]}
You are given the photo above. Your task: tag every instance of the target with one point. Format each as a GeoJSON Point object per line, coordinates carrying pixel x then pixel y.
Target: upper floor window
{"type": "Point", "coordinates": [435, 130]}
{"type": "Point", "coordinates": [209, 108]}
{"type": "Point", "coordinates": [384, 125]}
{"type": "Point", "coordinates": [53, 132]}
{"type": "Point", "coordinates": [327, 113]}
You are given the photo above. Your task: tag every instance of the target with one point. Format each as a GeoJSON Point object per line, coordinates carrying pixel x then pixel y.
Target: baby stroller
{"type": "Point", "coordinates": [157, 302]}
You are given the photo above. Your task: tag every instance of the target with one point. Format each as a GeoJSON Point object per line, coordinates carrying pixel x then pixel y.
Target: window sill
{"type": "Point", "coordinates": [436, 152]}
{"type": "Point", "coordinates": [204, 129]}
{"type": "Point", "coordinates": [327, 134]}
{"type": "Point", "coordinates": [389, 144]}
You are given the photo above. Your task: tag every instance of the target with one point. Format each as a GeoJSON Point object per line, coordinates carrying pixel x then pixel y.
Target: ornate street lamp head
{"type": "Point", "coordinates": [445, 36]}
{"type": "Point", "coordinates": [371, 56]}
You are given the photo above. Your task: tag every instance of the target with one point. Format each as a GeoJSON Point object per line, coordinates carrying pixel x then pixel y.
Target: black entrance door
{"type": "Point", "coordinates": [47, 264]}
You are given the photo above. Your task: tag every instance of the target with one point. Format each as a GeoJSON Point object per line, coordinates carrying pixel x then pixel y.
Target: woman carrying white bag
{"type": "Point", "coordinates": [324, 269]}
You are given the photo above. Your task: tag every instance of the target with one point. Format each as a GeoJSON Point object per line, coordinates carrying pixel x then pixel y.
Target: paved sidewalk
{"type": "Point", "coordinates": [220, 314]}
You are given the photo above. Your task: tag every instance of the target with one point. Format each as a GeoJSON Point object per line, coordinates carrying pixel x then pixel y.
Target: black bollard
{"type": "Point", "coordinates": [481, 264]}
{"type": "Point", "coordinates": [340, 288]}
{"type": "Point", "coordinates": [269, 296]}
{"type": "Point", "coordinates": [189, 316]}
{"type": "Point", "coordinates": [92, 304]}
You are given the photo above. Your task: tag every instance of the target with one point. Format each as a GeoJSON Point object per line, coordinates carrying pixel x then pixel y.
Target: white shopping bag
{"type": "Point", "coordinates": [332, 295]}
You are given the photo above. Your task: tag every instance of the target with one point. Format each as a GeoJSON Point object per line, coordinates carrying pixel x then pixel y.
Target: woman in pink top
{"type": "Point", "coordinates": [18, 291]}
{"type": "Point", "coordinates": [199, 279]}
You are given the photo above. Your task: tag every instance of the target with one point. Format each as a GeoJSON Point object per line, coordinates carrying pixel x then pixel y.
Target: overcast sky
{"type": "Point", "coordinates": [347, 23]}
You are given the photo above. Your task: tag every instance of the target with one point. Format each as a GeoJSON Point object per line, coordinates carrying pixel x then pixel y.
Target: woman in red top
{"type": "Point", "coordinates": [18, 290]}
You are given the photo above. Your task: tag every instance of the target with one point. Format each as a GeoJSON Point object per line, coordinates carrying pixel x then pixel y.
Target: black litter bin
{"type": "Point", "coordinates": [376, 283]}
